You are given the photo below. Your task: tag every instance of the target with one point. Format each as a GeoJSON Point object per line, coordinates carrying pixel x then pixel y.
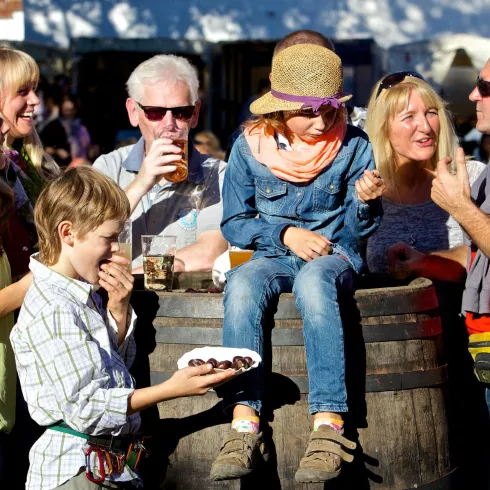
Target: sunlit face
{"type": "Point", "coordinates": [18, 109]}
{"type": "Point", "coordinates": [87, 252]}
{"type": "Point", "coordinates": [482, 103]}
{"type": "Point", "coordinates": [414, 131]}
{"type": "Point", "coordinates": [307, 126]}
{"type": "Point", "coordinates": [4, 129]}
{"type": "Point", "coordinates": [163, 94]}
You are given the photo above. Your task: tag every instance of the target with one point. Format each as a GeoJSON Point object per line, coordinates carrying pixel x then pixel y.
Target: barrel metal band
{"type": "Point", "coordinates": [385, 301]}
{"type": "Point", "coordinates": [374, 382]}
{"type": "Point", "coordinates": [294, 336]}
{"type": "Point", "coordinates": [446, 482]}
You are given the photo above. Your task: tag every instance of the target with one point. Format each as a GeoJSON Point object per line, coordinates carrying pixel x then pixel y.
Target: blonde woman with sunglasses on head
{"type": "Point", "coordinates": [410, 130]}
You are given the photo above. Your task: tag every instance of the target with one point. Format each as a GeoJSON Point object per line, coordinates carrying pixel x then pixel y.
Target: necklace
{"type": "Point", "coordinates": [412, 241]}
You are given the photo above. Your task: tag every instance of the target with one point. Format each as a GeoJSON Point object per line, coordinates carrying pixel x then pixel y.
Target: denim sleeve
{"type": "Point", "coordinates": [240, 224]}
{"type": "Point", "coordinates": [361, 219]}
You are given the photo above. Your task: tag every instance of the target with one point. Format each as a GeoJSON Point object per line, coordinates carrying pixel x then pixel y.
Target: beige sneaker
{"type": "Point", "coordinates": [324, 454]}
{"type": "Point", "coordinates": [240, 453]}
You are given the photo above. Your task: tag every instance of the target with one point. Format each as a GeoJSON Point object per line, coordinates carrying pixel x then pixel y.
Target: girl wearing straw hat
{"type": "Point", "coordinates": [299, 190]}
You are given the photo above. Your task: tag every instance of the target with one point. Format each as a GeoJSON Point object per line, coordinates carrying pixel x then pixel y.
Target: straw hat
{"type": "Point", "coordinates": [307, 73]}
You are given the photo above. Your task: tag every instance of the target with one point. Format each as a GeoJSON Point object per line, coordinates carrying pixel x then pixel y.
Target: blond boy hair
{"type": "Point", "coordinates": [82, 196]}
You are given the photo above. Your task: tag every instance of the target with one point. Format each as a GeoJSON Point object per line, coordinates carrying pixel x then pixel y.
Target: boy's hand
{"type": "Point", "coordinates": [370, 186]}
{"type": "Point", "coordinates": [306, 244]}
{"type": "Point", "coordinates": [403, 260]}
{"type": "Point", "coordinates": [118, 283]}
{"type": "Point", "coordinates": [190, 381]}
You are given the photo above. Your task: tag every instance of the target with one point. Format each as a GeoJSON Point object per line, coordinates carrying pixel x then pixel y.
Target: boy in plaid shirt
{"type": "Point", "coordinates": [72, 355]}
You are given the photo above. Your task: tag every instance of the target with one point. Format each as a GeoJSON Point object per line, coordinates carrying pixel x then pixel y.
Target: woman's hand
{"type": "Point", "coordinates": [118, 283]}
{"type": "Point", "coordinates": [370, 186]}
{"type": "Point", "coordinates": [306, 244]}
{"type": "Point", "coordinates": [197, 380]}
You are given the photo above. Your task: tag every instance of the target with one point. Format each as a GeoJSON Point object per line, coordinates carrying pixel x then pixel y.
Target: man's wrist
{"type": "Point", "coordinates": [463, 210]}
{"type": "Point", "coordinates": [137, 189]}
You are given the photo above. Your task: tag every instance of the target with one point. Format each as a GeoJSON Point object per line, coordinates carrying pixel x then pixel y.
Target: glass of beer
{"type": "Point", "coordinates": [158, 261]}
{"type": "Point", "coordinates": [180, 173]}
{"type": "Point", "coordinates": [125, 244]}
{"type": "Point", "coordinates": [238, 257]}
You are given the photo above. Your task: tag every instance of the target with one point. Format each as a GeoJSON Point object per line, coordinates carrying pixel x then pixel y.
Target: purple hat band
{"type": "Point", "coordinates": [310, 101]}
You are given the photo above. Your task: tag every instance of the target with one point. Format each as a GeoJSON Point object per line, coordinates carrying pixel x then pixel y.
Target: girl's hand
{"type": "Point", "coordinates": [306, 244]}
{"type": "Point", "coordinates": [118, 283]}
{"type": "Point", "coordinates": [370, 186]}
{"type": "Point", "coordinates": [190, 381]}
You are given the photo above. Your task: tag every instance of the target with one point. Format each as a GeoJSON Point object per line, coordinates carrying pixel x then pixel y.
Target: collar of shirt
{"type": "Point", "coordinates": [80, 289]}
{"type": "Point", "coordinates": [136, 156]}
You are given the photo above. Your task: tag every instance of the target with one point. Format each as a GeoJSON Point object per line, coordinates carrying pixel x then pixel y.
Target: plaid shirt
{"type": "Point", "coordinates": [70, 368]}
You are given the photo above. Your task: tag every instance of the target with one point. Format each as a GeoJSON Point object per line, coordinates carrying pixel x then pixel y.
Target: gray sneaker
{"type": "Point", "coordinates": [239, 455]}
{"type": "Point", "coordinates": [324, 455]}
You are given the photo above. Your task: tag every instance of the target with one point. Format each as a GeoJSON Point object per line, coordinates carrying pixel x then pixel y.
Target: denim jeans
{"type": "Point", "coordinates": [251, 293]}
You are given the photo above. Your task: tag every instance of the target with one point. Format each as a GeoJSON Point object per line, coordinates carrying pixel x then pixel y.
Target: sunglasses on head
{"type": "Point", "coordinates": [395, 79]}
{"type": "Point", "coordinates": [152, 113]}
{"type": "Point", "coordinates": [483, 87]}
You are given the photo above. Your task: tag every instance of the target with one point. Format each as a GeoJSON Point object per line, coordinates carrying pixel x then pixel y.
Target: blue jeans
{"type": "Point", "coordinates": [250, 300]}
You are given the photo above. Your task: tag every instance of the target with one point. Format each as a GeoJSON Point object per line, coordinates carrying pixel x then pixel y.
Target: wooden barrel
{"type": "Point", "coordinates": [395, 380]}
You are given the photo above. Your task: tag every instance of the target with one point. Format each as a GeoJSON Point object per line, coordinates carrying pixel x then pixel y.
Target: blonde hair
{"type": "Point", "coordinates": [82, 196]}
{"type": "Point", "coordinates": [18, 70]}
{"type": "Point", "coordinates": [391, 101]}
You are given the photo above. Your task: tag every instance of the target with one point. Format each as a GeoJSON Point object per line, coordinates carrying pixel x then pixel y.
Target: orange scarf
{"type": "Point", "coordinates": [297, 165]}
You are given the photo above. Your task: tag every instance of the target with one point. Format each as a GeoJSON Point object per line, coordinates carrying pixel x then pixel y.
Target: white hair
{"type": "Point", "coordinates": [163, 68]}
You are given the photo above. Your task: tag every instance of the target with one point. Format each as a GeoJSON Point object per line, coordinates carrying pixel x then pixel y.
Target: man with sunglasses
{"type": "Point", "coordinates": [470, 207]}
{"type": "Point", "coordinates": [163, 98]}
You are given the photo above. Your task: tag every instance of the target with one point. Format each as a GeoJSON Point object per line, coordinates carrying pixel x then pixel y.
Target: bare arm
{"type": "Point", "coordinates": [453, 194]}
{"type": "Point", "coordinates": [448, 265]}
{"type": "Point", "coordinates": [156, 164]}
{"type": "Point", "coordinates": [12, 296]}
{"type": "Point", "coordinates": [200, 256]}
{"type": "Point", "coordinates": [185, 382]}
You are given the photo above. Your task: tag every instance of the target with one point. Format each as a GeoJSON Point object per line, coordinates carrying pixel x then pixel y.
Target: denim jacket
{"type": "Point", "coordinates": [328, 204]}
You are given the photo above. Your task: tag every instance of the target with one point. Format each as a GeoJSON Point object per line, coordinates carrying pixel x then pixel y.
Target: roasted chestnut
{"type": "Point", "coordinates": [234, 366]}
{"type": "Point", "coordinates": [237, 358]}
{"type": "Point", "coordinates": [223, 365]}
{"type": "Point", "coordinates": [249, 361]}
{"type": "Point", "coordinates": [195, 362]}
{"type": "Point", "coordinates": [212, 361]}
{"type": "Point", "coordinates": [241, 363]}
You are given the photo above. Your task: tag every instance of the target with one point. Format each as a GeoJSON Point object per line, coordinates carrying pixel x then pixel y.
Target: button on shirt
{"type": "Point", "coordinates": [71, 368]}
{"type": "Point", "coordinates": [183, 209]}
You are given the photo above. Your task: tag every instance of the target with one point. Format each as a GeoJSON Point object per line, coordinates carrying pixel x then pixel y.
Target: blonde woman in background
{"type": "Point", "coordinates": [26, 171]}
{"type": "Point", "coordinates": [410, 130]}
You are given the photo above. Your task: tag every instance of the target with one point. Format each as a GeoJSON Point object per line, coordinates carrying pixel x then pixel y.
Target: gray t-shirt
{"type": "Point", "coordinates": [430, 226]}
{"type": "Point", "coordinates": [184, 210]}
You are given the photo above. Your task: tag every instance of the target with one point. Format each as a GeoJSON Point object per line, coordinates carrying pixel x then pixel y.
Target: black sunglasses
{"type": "Point", "coordinates": [152, 113]}
{"type": "Point", "coordinates": [395, 79]}
{"type": "Point", "coordinates": [483, 87]}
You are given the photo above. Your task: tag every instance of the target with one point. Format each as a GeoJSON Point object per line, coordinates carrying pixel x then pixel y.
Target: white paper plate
{"type": "Point", "coordinates": [220, 354]}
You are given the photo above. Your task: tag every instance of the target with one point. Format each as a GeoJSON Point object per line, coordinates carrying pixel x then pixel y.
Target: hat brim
{"type": "Point", "coordinates": [268, 103]}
